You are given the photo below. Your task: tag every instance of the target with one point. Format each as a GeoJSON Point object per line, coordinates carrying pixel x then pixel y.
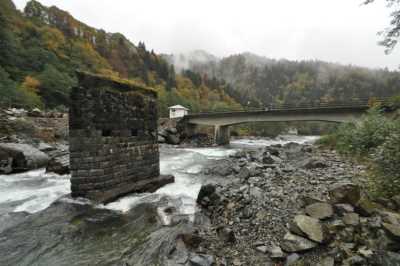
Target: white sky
{"type": "Point", "coordinates": [332, 30]}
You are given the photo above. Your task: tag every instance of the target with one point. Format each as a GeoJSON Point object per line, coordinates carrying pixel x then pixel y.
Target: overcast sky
{"type": "Point", "coordinates": [332, 30]}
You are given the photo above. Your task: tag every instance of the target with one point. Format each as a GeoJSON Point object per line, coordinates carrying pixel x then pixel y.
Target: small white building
{"type": "Point", "coordinates": [177, 111]}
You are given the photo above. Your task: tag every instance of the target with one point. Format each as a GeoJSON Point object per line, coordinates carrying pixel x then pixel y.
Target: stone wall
{"type": "Point", "coordinates": [113, 139]}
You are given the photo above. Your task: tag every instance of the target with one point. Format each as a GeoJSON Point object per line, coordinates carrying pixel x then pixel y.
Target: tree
{"type": "Point", "coordinates": [391, 34]}
{"type": "Point", "coordinates": [55, 86]}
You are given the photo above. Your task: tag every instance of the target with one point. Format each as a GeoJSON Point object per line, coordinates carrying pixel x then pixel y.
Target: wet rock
{"type": "Point", "coordinates": [11, 219]}
{"type": "Point", "coordinates": [396, 201]}
{"type": "Point", "coordinates": [320, 210]}
{"type": "Point", "coordinates": [390, 217]}
{"type": "Point", "coordinates": [172, 130]}
{"type": "Point", "coordinates": [257, 193]}
{"type": "Point", "coordinates": [392, 230]}
{"type": "Point", "coordinates": [207, 195]}
{"type": "Point", "coordinates": [345, 193]}
{"type": "Point", "coordinates": [191, 240]}
{"type": "Point", "coordinates": [341, 209]}
{"type": "Point", "coordinates": [238, 155]}
{"type": "Point", "coordinates": [276, 252]}
{"type": "Point", "coordinates": [172, 139]}
{"type": "Point", "coordinates": [271, 159]}
{"type": "Point", "coordinates": [226, 235]}
{"type": "Point", "coordinates": [326, 261]}
{"type": "Point", "coordinates": [308, 227]}
{"type": "Point", "coordinates": [366, 253]}
{"type": "Point", "coordinates": [294, 243]}
{"type": "Point", "coordinates": [22, 157]}
{"type": "Point", "coordinates": [262, 249]}
{"type": "Point", "coordinates": [201, 260]}
{"type": "Point", "coordinates": [292, 259]}
{"type": "Point", "coordinates": [386, 258]}
{"type": "Point", "coordinates": [308, 200]}
{"type": "Point", "coordinates": [351, 219]}
{"type": "Point", "coordinates": [365, 207]}
{"type": "Point", "coordinates": [6, 164]}
{"type": "Point", "coordinates": [36, 112]}
{"type": "Point", "coordinates": [59, 165]}
{"type": "Point", "coordinates": [244, 173]}
{"type": "Point", "coordinates": [81, 233]}
{"type": "Point", "coordinates": [355, 260]}
{"type": "Point", "coordinates": [222, 168]}
{"type": "Point", "coordinates": [272, 150]}
{"type": "Point", "coordinates": [161, 139]}
{"type": "Point", "coordinates": [314, 163]}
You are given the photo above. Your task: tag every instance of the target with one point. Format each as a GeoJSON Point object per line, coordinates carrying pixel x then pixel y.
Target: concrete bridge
{"type": "Point", "coordinates": [325, 112]}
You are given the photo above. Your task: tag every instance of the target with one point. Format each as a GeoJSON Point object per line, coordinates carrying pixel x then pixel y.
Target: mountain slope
{"type": "Point", "coordinates": [41, 48]}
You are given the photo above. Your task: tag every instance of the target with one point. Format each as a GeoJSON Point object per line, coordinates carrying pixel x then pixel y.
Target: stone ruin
{"type": "Point", "coordinates": [113, 139]}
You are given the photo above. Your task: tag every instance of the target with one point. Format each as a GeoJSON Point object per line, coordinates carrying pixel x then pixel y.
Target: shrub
{"type": "Point", "coordinates": [363, 137]}
{"type": "Point", "coordinates": [385, 179]}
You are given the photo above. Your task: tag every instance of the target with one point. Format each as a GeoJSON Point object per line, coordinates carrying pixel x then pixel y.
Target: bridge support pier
{"type": "Point", "coordinates": [222, 135]}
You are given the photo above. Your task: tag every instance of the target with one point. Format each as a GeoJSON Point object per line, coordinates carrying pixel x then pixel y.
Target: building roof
{"type": "Point", "coordinates": [178, 107]}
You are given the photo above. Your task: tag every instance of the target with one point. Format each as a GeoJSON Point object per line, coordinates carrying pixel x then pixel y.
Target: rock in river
{"type": "Point", "coordinates": [15, 157]}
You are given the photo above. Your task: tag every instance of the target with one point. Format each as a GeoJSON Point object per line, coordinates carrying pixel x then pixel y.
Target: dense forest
{"type": "Point", "coordinates": [42, 47]}
{"type": "Point", "coordinates": [257, 81]}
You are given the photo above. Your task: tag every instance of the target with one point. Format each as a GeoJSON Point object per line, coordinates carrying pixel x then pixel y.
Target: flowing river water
{"type": "Point", "coordinates": [40, 224]}
{"type": "Point", "coordinates": [36, 190]}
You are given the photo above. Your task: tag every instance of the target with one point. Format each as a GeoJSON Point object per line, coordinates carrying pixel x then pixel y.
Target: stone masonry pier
{"type": "Point", "coordinates": [113, 139]}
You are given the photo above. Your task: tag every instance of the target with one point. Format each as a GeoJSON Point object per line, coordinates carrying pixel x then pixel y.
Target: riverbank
{"type": "Point", "coordinates": [296, 204]}
{"type": "Point", "coordinates": [258, 190]}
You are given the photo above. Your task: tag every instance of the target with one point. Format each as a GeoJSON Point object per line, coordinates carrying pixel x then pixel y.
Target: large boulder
{"type": "Point", "coordinates": [15, 157]}
{"type": "Point", "coordinates": [222, 168]}
{"type": "Point", "coordinates": [207, 195]}
{"type": "Point", "coordinates": [173, 139]}
{"type": "Point", "coordinates": [294, 243]}
{"type": "Point", "coordinates": [393, 230]}
{"type": "Point", "coordinates": [59, 165]}
{"type": "Point", "coordinates": [320, 210]}
{"type": "Point", "coordinates": [309, 227]}
{"type": "Point", "coordinates": [161, 139]}
{"type": "Point", "coordinates": [314, 163]}
{"type": "Point", "coordinates": [345, 193]}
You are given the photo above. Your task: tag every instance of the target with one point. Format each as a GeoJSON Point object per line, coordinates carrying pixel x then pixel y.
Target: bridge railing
{"type": "Point", "coordinates": [353, 103]}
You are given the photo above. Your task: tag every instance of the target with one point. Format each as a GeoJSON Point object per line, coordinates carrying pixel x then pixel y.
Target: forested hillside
{"type": "Point", "coordinates": [42, 47]}
{"type": "Point", "coordinates": [258, 81]}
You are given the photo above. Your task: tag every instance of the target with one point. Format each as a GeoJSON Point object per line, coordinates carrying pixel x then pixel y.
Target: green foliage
{"type": "Point", "coordinates": [363, 137]}
{"type": "Point", "coordinates": [385, 179]}
{"type": "Point", "coordinates": [55, 86]}
{"type": "Point", "coordinates": [12, 94]}
{"type": "Point", "coordinates": [377, 139]}
{"type": "Point", "coordinates": [394, 102]}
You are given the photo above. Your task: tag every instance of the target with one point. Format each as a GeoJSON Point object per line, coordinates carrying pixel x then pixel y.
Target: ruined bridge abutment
{"type": "Point", "coordinates": [113, 139]}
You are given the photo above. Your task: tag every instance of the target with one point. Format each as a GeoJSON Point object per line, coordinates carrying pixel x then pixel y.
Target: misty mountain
{"type": "Point", "coordinates": [188, 60]}
{"type": "Point", "coordinates": [257, 81]}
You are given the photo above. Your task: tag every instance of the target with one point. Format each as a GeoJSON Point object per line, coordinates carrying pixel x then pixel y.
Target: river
{"type": "Point", "coordinates": [41, 225]}
{"type": "Point", "coordinates": [36, 190]}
